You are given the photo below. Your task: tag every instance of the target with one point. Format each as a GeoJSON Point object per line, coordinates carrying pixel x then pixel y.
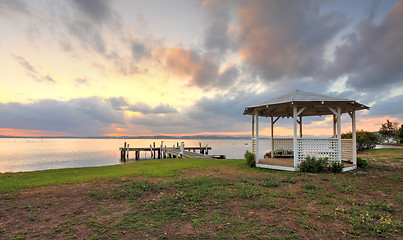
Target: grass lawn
{"type": "Point", "coordinates": [204, 199]}
{"type": "Point", "coordinates": [150, 168]}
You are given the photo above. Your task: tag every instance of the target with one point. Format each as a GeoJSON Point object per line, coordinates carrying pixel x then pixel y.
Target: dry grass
{"type": "Point", "coordinates": [220, 202]}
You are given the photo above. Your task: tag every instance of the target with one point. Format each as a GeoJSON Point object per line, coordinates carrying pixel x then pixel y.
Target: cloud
{"type": "Point", "coordinates": [88, 36]}
{"type": "Point", "coordinates": [48, 78]}
{"type": "Point", "coordinates": [91, 116]}
{"type": "Point", "coordinates": [28, 66]}
{"type": "Point", "coordinates": [95, 10]}
{"type": "Point", "coordinates": [121, 103]}
{"type": "Point", "coordinates": [32, 72]}
{"type": "Point", "coordinates": [147, 109]}
{"type": "Point", "coordinates": [217, 35]}
{"type": "Point", "coordinates": [220, 113]}
{"type": "Point", "coordinates": [91, 23]}
{"type": "Point", "coordinates": [118, 103]}
{"type": "Point", "coordinates": [95, 27]}
{"type": "Point", "coordinates": [79, 116]}
{"type": "Point", "coordinates": [15, 6]}
{"type": "Point", "coordinates": [372, 56]}
{"type": "Point", "coordinates": [285, 39]}
{"type": "Point", "coordinates": [139, 50]}
{"type": "Point", "coordinates": [202, 70]}
{"type": "Point", "coordinates": [186, 62]}
{"type": "Point", "coordinates": [228, 77]}
{"type": "Point", "coordinates": [391, 106]}
{"type": "Point", "coordinates": [81, 81]}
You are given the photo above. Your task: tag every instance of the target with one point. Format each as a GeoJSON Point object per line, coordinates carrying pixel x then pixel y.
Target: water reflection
{"type": "Point", "coordinates": [29, 154]}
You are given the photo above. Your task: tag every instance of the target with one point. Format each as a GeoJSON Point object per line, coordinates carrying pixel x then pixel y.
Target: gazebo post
{"type": "Point", "coordinates": [334, 125]}
{"type": "Point", "coordinates": [354, 138]}
{"type": "Point", "coordinates": [257, 137]}
{"type": "Point", "coordinates": [339, 133]}
{"type": "Point", "coordinates": [295, 115]}
{"type": "Point", "coordinates": [272, 137]}
{"type": "Point", "coordinates": [253, 125]}
{"type": "Point", "coordinates": [300, 126]}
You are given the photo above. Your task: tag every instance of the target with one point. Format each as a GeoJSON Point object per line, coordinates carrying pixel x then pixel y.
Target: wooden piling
{"type": "Point", "coordinates": [122, 156]}
{"type": "Point", "coordinates": [127, 149]}
{"type": "Point", "coordinates": [154, 150]}
{"type": "Point", "coordinates": [160, 152]}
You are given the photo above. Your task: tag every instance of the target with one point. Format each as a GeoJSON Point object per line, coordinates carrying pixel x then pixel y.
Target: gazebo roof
{"type": "Point", "coordinates": [315, 105]}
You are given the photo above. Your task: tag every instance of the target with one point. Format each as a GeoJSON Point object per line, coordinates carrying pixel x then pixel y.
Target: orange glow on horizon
{"type": "Point", "coordinates": [31, 133]}
{"type": "Point", "coordinates": [114, 135]}
{"type": "Point", "coordinates": [324, 129]}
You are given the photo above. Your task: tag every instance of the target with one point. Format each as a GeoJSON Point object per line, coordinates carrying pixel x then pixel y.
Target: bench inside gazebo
{"type": "Point", "coordinates": [288, 153]}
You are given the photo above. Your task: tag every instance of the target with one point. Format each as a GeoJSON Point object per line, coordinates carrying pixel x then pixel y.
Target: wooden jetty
{"type": "Point", "coordinates": [178, 151]}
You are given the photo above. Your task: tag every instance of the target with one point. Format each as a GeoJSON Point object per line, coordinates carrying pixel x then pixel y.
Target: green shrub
{"type": "Point", "coordinates": [267, 155]}
{"type": "Point", "coordinates": [362, 163]}
{"type": "Point", "coordinates": [336, 167]}
{"type": "Point", "coordinates": [365, 140]}
{"type": "Point", "coordinates": [250, 159]}
{"type": "Point", "coordinates": [313, 165]}
{"type": "Point", "coordinates": [399, 135]}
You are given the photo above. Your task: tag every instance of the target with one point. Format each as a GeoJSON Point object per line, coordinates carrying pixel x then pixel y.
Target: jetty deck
{"type": "Point", "coordinates": [186, 154]}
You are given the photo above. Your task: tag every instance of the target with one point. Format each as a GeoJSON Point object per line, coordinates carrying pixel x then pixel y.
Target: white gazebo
{"type": "Point", "coordinates": [287, 153]}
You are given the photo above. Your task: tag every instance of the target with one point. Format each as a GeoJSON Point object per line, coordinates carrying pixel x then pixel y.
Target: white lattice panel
{"type": "Point", "coordinates": [283, 143]}
{"type": "Point", "coordinates": [347, 150]}
{"type": "Point", "coordinates": [283, 146]}
{"type": "Point", "coordinates": [317, 147]}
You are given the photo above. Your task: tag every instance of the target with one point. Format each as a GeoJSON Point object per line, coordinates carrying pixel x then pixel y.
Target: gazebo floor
{"type": "Point", "coordinates": [287, 162]}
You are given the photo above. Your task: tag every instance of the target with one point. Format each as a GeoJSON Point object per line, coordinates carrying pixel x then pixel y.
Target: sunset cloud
{"type": "Point", "coordinates": [140, 50]}
{"type": "Point", "coordinates": [373, 54]}
{"type": "Point", "coordinates": [202, 71]}
{"type": "Point", "coordinates": [32, 72]}
{"type": "Point", "coordinates": [285, 39]}
{"type": "Point", "coordinates": [186, 67]}
{"type": "Point", "coordinates": [95, 10]}
{"type": "Point", "coordinates": [217, 38]}
{"type": "Point", "coordinates": [86, 116]}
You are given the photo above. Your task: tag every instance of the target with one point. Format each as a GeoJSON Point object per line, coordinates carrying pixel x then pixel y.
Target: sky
{"type": "Point", "coordinates": [182, 67]}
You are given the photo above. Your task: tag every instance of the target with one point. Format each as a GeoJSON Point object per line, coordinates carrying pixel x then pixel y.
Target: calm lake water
{"type": "Point", "coordinates": [31, 154]}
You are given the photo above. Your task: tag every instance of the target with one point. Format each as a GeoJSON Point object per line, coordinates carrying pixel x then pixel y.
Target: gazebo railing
{"type": "Point", "coordinates": [283, 147]}
{"type": "Point", "coordinates": [317, 147]}
{"type": "Point", "coordinates": [347, 150]}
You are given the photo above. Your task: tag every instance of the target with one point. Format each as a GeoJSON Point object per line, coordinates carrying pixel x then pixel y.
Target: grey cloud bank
{"type": "Point", "coordinates": [279, 46]}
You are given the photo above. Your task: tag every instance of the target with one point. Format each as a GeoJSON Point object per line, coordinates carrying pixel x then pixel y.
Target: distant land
{"type": "Point", "coordinates": [146, 137]}
{"type": "Point", "coordinates": [223, 137]}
